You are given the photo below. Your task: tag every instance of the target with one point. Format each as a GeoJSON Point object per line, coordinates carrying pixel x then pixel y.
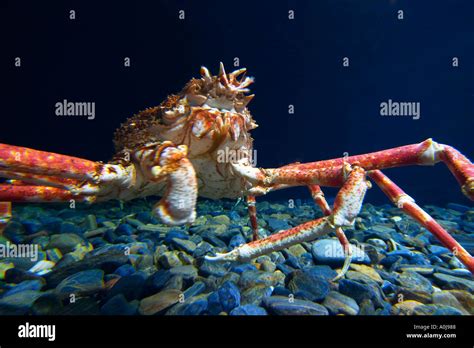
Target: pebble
{"type": "Point", "coordinates": [248, 309]}
{"type": "Point", "coordinates": [338, 303]}
{"type": "Point", "coordinates": [360, 292]}
{"type": "Point", "coordinates": [280, 305]}
{"type": "Point", "coordinates": [169, 259]}
{"type": "Point", "coordinates": [118, 305]}
{"type": "Point", "coordinates": [456, 283]}
{"type": "Point", "coordinates": [405, 307]}
{"type": "Point", "coordinates": [196, 305]}
{"type": "Point", "coordinates": [308, 285]}
{"type": "Point", "coordinates": [18, 303]}
{"type": "Point", "coordinates": [256, 294]}
{"type": "Point", "coordinates": [184, 245]}
{"type": "Point", "coordinates": [448, 299]}
{"type": "Point", "coordinates": [330, 252]}
{"type": "Point", "coordinates": [159, 302]}
{"type": "Point", "coordinates": [65, 242]}
{"type": "Point", "coordinates": [35, 284]}
{"type": "Point", "coordinates": [252, 278]}
{"type": "Point", "coordinates": [368, 271]}
{"type": "Point", "coordinates": [81, 284]}
{"type": "Point", "coordinates": [131, 286]}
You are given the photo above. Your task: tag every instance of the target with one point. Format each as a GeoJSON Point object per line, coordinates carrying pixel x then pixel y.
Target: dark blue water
{"type": "Point", "coordinates": [295, 62]}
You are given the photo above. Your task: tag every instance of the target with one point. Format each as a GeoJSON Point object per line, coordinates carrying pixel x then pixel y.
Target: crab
{"type": "Point", "coordinates": [175, 150]}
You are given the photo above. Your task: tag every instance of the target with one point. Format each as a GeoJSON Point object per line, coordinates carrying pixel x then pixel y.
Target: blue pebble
{"type": "Point", "coordinates": [32, 226]}
{"type": "Point", "coordinates": [196, 289]}
{"type": "Point", "coordinates": [124, 229]}
{"type": "Point", "coordinates": [248, 309]}
{"type": "Point", "coordinates": [244, 267]}
{"type": "Point", "coordinates": [229, 296]}
{"type": "Point", "coordinates": [35, 284]}
{"type": "Point", "coordinates": [281, 291]}
{"type": "Point", "coordinates": [236, 240]}
{"type": "Point", "coordinates": [118, 305]}
{"type": "Point", "coordinates": [292, 261]}
{"type": "Point", "coordinates": [175, 234]}
{"type": "Point", "coordinates": [277, 225]}
{"type": "Point", "coordinates": [144, 217]}
{"type": "Point", "coordinates": [195, 306]}
{"type": "Point", "coordinates": [234, 216]}
{"type": "Point", "coordinates": [285, 269]}
{"type": "Point", "coordinates": [214, 305]}
{"type": "Point", "coordinates": [125, 270]}
{"type": "Point", "coordinates": [124, 239]}
{"type": "Point", "coordinates": [438, 250]}
{"type": "Point", "coordinates": [458, 207]}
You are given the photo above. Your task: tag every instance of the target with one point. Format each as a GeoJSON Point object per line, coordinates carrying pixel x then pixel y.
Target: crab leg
{"type": "Point", "coordinates": [22, 159]}
{"type": "Point", "coordinates": [318, 197]}
{"type": "Point", "coordinates": [408, 205]}
{"type": "Point", "coordinates": [27, 193]}
{"type": "Point", "coordinates": [327, 173]}
{"type": "Point", "coordinates": [252, 209]}
{"type": "Point", "coordinates": [5, 215]}
{"type": "Point", "coordinates": [346, 207]}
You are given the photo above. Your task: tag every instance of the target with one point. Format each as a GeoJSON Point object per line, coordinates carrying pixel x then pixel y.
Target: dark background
{"type": "Point", "coordinates": [295, 62]}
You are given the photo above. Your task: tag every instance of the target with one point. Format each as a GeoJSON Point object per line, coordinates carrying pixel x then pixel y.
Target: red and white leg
{"type": "Point", "coordinates": [346, 207]}
{"type": "Point", "coordinates": [408, 205]}
{"type": "Point", "coordinates": [252, 210]}
{"type": "Point", "coordinates": [319, 199]}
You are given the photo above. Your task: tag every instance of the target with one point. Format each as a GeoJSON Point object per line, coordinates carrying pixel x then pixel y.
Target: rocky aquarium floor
{"type": "Point", "coordinates": [112, 260]}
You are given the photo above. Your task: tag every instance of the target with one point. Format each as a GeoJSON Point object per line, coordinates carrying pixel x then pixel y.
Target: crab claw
{"type": "Point", "coordinates": [178, 205]}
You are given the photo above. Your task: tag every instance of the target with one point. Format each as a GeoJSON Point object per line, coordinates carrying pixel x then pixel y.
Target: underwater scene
{"type": "Point", "coordinates": [207, 158]}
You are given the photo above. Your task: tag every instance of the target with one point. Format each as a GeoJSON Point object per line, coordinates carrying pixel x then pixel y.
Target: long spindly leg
{"type": "Point", "coordinates": [327, 173]}
{"type": "Point", "coordinates": [252, 209]}
{"type": "Point", "coordinates": [318, 197]}
{"type": "Point", "coordinates": [408, 205]}
{"type": "Point", "coordinates": [346, 207]}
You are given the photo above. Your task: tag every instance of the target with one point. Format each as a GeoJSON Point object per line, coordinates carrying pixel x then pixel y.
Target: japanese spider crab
{"type": "Point", "coordinates": [172, 150]}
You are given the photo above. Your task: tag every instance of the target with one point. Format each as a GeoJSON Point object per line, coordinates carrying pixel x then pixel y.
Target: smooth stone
{"type": "Point", "coordinates": [405, 307]}
{"type": "Point", "coordinates": [330, 252]}
{"type": "Point", "coordinates": [276, 225]}
{"type": "Point", "coordinates": [184, 245]}
{"type": "Point", "coordinates": [338, 303]}
{"type": "Point", "coordinates": [256, 294]}
{"type": "Point", "coordinates": [32, 226]}
{"type": "Point", "coordinates": [54, 254]}
{"type": "Point", "coordinates": [196, 289]}
{"type": "Point", "coordinates": [236, 241]}
{"type": "Point", "coordinates": [221, 220]}
{"type": "Point", "coordinates": [248, 309]}
{"type": "Point", "coordinates": [309, 285]}
{"type": "Point", "coordinates": [359, 277]}
{"type": "Point", "coordinates": [366, 307]}
{"type": "Point", "coordinates": [458, 207]}
{"type": "Point", "coordinates": [360, 292]}
{"type": "Point", "coordinates": [465, 298]}
{"type": "Point", "coordinates": [436, 309]}
{"type": "Point", "coordinates": [131, 286]}
{"type": "Point", "coordinates": [157, 281]}
{"type": "Point", "coordinates": [82, 283]}
{"type": "Point", "coordinates": [448, 299]}
{"type": "Point", "coordinates": [65, 242]}
{"type": "Point", "coordinates": [196, 305]}
{"type": "Point", "coordinates": [14, 275]}
{"type": "Point", "coordinates": [414, 281]}
{"type": "Point", "coordinates": [438, 250]}
{"type": "Point", "coordinates": [18, 303]}
{"type": "Point", "coordinates": [47, 304]}
{"type": "Point", "coordinates": [376, 242]}
{"type": "Point", "coordinates": [169, 259]}
{"type": "Point", "coordinates": [186, 272]}
{"type": "Point", "coordinates": [239, 269]}
{"type": "Point", "coordinates": [118, 305]}
{"type": "Point", "coordinates": [455, 283]}
{"type": "Point", "coordinates": [217, 269]}
{"type": "Point", "coordinates": [234, 216]}
{"type": "Point", "coordinates": [159, 302]}
{"type": "Point", "coordinates": [229, 296]}
{"type": "Point", "coordinates": [423, 270]}
{"type": "Point", "coordinates": [175, 282]}
{"type": "Point", "coordinates": [267, 266]}
{"type": "Point", "coordinates": [280, 305]}
{"type": "Point", "coordinates": [252, 278]}
{"type": "Point", "coordinates": [457, 272]}
{"type": "Point", "coordinates": [202, 249]}
{"type": "Point", "coordinates": [297, 250]}
{"type": "Point", "coordinates": [368, 271]}
{"type": "Point", "coordinates": [35, 284]}
{"type": "Point", "coordinates": [125, 270]}
{"type": "Point", "coordinates": [70, 228]}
